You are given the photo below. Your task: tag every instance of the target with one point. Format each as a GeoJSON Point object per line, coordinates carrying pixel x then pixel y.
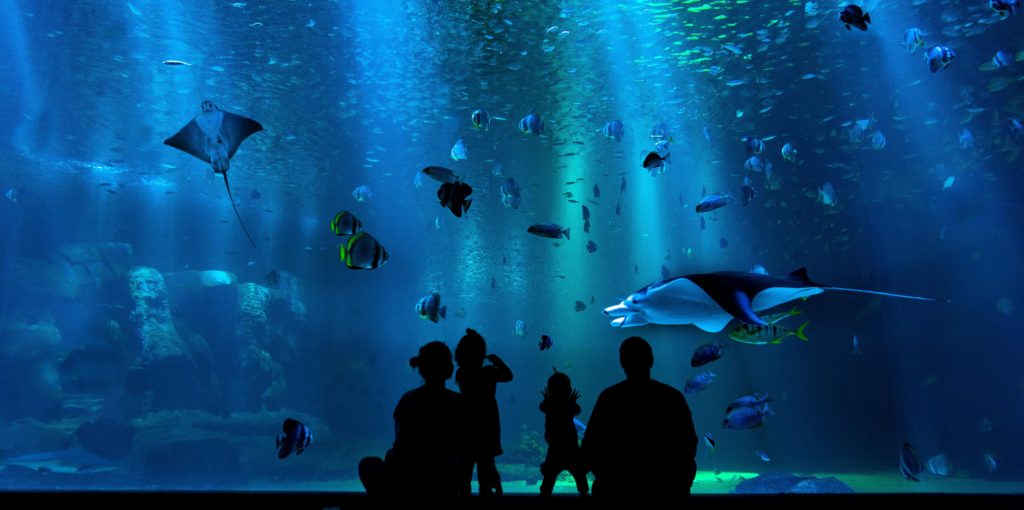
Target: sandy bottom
{"type": "Point", "coordinates": [707, 482]}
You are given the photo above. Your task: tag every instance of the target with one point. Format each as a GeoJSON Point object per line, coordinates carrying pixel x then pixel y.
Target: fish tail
{"type": "Point", "coordinates": [800, 331]}
{"type": "Point", "coordinates": [867, 17]}
{"type": "Point", "coordinates": [228, 187]}
{"type": "Point", "coordinates": [879, 293]}
{"type": "Point", "coordinates": [443, 310]}
{"type": "Point", "coordinates": [341, 253]}
{"type": "Point", "coordinates": [566, 232]}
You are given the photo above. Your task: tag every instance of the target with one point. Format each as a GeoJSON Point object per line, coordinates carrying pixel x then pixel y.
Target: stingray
{"type": "Point", "coordinates": [710, 301]}
{"type": "Point", "coordinates": [214, 136]}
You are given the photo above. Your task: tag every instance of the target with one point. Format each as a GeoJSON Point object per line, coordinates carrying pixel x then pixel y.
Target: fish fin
{"type": "Point", "coordinates": [848, 29]}
{"type": "Point", "coordinates": [226, 185]}
{"type": "Point", "coordinates": [776, 342]}
{"type": "Point", "coordinates": [341, 252]}
{"type": "Point", "coordinates": [235, 129]}
{"type": "Point", "coordinates": [465, 205]}
{"type": "Point", "coordinates": [800, 275]}
{"type": "Point", "coordinates": [800, 331]}
{"type": "Point", "coordinates": [443, 311]}
{"type": "Point", "coordinates": [668, 157]}
{"type": "Point", "coordinates": [190, 139]}
{"type": "Point", "coordinates": [795, 311]}
{"type": "Point", "coordinates": [566, 232]}
{"type": "Point", "coordinates": [742, 310]}
{"type": "Point", "coordinates": [867, 17]}
{"type": "Point", "coordinates": [879, 293]}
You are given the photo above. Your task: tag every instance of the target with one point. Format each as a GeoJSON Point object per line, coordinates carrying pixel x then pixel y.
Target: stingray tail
{"type": "Point", "coordinates": [232, 199]}
{"type": "Point", "coordinates": [878, 293]}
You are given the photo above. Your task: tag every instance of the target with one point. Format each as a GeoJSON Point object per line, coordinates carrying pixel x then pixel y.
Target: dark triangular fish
{"type": "Point", "coordinates": [214, 136]}
{"type": "Point", "coordinates": [617, 204]}
{"type": "Point", "coordinates": [910, 463]}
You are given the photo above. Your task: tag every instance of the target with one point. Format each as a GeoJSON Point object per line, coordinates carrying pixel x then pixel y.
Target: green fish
{"type": "Point", "coordinates": [345, 223]}
{"type": "Point", "coordinates": [772, 333]}
{"type": "Point", "coordinates": [362, 251]}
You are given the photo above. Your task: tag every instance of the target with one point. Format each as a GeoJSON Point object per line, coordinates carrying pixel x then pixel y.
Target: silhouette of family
{"type": "Point", "coordinates": [640, 441]}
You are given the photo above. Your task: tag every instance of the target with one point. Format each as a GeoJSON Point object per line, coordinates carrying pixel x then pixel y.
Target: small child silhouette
{"type": "Point", "coordinates": [477, 384]}
{"type": "Point", "coordinates": [559, 407]}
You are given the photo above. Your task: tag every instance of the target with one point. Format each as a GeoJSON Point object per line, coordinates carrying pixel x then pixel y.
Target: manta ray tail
{"type": "Point", "coordinates": [232, 199]}
{"type": "Point", "coordinates": [903, 296]}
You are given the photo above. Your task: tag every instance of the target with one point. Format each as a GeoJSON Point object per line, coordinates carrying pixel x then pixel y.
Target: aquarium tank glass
{"type": "Point", "coordinates": [226, 227]}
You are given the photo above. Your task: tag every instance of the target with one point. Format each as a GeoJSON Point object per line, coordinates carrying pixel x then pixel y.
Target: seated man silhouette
{"type": "Point", "coordinates": [640, 441]}
{"type": "Point", "coordinates": [427, 459]}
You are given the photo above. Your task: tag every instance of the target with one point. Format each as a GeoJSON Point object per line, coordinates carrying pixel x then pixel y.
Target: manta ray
{"type": "Point", "coordinates": [710, 301]}
{"type": "Point", "coordinates": [214, 136]}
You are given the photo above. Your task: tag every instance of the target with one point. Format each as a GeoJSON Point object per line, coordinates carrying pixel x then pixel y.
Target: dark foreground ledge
{"type": "Point", "coordinates": [318, 501]}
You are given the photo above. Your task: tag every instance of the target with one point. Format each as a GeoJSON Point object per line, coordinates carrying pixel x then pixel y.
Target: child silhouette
{"type": "Point", "coordinates": [559, 407]}
{"type": "Point", "coordinates": [477, 384]}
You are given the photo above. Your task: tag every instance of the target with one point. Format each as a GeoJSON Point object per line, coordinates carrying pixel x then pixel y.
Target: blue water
{"type": "Point", "coordinates": [201, 370]}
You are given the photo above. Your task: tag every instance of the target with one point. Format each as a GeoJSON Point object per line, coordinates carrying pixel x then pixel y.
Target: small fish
{"type": "Point", "coordinates": [580, 306]}
{"type": "Point", "coordinates": [255, 194]}
{"type": "Point", "coordinates": [706, 354]}
{"type": "Point", "coordinates": [910, 463]}
{"type": "Point", "coordinates": [990, 462]}
{"type": "Point", "coordinates": [939, 57]}
{"type": "Point", "coordinates": [459, 151]}
{"type": "Point", "coordinates": [345, 223]}
{"type": "Point", "coordinates": [699, 382]}
{"type": "Point", "coordinates": [362, 193]}
{"type": "Point", "coordinates": [295, 437]}
{"type": "Point", "coordinates": [454, 197]}
{"type": "Point", "coordinates": [441, 174]}
{"type": "Point", "coordinates": [13, 194]}
{"type": "Point", "coordinates": [622, 186]}
{"type": "Point", "coordinates": [856, 346]}
{"type": "Point", "coordinates": [714, 201]}
{"type": "Point", "coordinates": [940, 465]}
{"type": "Point", "coordinates": [175, 63]}
{"type": "Point", "coordinates": [597, 191]}
{"type": "Point", "coordinates": [617, 209]}
{"type": "Point", "coordinates": [763, 455]}
{"type": "Point", "coordinates": [549, 230]}
{"type": "Point", "coordinates": [709, 441]}
{"type": "Point", "coordinates": [747, 192]}
{"type": "Point", "coordinates": [586, 213]}
{"type": "Point", "coordinates": [853, 15]}
{"type": "Point", "coordinates": [1002, 59]}
{"type": "Point", "coordinates": [591, 247]}
{"type": "Point", "coordinates": [362, 251]}
{"type": "Point", "coordinates": [755, 145]}
{"type": "Point", "coordinates": [654, 163]}
{"type": "Point", "coordinates": [531, 124]}
{"type": "Point", "coordinates": [481, 119]}
{"type": "Point", "coordinates": [827, 194]}
{"type": "Point", "coordinates": [586, 226]}
{"type": "Point", "coordinates": [702, 224]}
{"type": "Point", "coordinates": [494, 283]}
{"type": "Point", "coordinates": [913, 38]}
{"type": "Point", "coordinates": [789, 153]}
{"type": "Point", "coordinates": [613, 130]}
{"type": "Point", "coordinates": [429, 308]}
{"type": "Point", "coordinates": [546, 343]}
{"type": "Point", "coordinates": [769, 334]}
{"type": "Point", "coordinates": [1003, 7]}
{"type": "Point", "coordinates": [723, 242]}
{"type": "Point", "coordinates": [511, 196]}
{"type": "Point", "coordinates": [520, 328]}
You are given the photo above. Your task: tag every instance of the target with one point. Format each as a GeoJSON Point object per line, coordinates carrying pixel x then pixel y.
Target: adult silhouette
{"type": "Point", "coordinates": [428, 456]}
{"type": "Point", "coordinates": [640, 441]}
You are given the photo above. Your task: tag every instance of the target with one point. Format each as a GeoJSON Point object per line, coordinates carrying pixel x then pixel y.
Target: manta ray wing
{"type": "Point", "coordinates": [234, 129]}
{"type": "Point", "coordinates": [190, 139]}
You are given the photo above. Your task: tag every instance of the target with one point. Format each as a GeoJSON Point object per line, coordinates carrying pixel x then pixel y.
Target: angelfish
{"type": "Point", "coordinates": [214, 136]}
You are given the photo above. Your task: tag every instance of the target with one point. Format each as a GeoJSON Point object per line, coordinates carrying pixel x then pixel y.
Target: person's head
{"type": "Point", "coordinates": [559, 385]}
{"type": "Point", "coordinates": [636, 357]}
{"type": "Point", "coordinates": [471, 349]}
{"type": "Point", "coordinates": [434, 362]}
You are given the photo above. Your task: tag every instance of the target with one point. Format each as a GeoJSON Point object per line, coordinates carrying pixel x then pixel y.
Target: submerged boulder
{"type": "Point", "coordinates": [75, 270]}
{"type": "Point", "coordinates": [164, 366]}
{"type": "Point", "coordinates": [787, 483]}
{"type": "Point", "coordinates": [29, 337]}
{"type": "Point", "coordinates": [262, 378]}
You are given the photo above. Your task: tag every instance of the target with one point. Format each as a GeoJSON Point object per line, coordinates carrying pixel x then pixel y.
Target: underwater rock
{"type": "Point", "coordinates": [780, 483]}
{"type": "Point", "coordinates": [830, 485]}
{"type": "Point", "coordinates": [107, 438]}
{"type": "Point", "coordinates": [29, 390]}
{"type": "Point", "coordinates": [164, 366]}
{"type": "Point", "coordinates": [28, 337]}
{"type": "Point", "coordinates": [91, 369]}
{"type": "Point", "coordinates": [75, 270]}
{"type": "Point", "coordinates": [261, 378]}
